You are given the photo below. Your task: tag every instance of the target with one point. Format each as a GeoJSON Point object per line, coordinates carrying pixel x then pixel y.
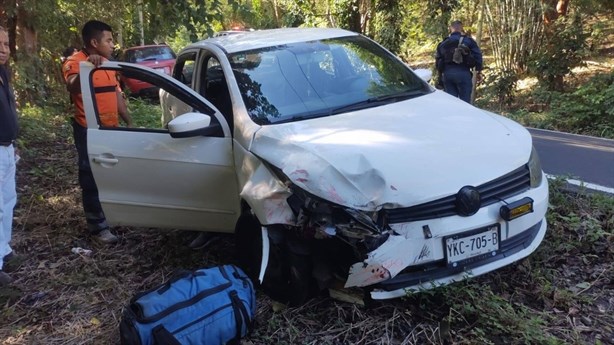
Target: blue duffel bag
{"type": "Point", "coordinates": [206, 307]}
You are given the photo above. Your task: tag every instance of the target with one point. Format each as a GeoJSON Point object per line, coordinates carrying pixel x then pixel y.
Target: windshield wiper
{"type": "Point", "coordinates": [306, 116]}
{"type": "Point", "coordinates": [374, 101]}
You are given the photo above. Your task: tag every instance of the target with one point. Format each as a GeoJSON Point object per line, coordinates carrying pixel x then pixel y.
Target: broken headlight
{"type": "Point", "coordinates": [324, 219]}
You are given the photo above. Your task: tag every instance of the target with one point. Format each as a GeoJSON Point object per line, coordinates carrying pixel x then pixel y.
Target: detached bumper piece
{"type": "Point", "coordinates": [416, 275]}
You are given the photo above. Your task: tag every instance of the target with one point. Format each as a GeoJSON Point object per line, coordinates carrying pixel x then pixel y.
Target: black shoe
{"type": "Point", "coordinates": [202, 240]}
{"type": "Point", "coordinates": [12, 261]}
{"type": "Point", "coordinates": [5, 279]}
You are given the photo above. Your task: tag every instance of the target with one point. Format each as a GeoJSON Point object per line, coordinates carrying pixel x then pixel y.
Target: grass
{"type": "Point", "coordinates": [562, 294]}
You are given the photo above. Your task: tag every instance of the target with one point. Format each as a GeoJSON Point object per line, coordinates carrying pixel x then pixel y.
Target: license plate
{"type": "Point", "coordinates": [474, 245]}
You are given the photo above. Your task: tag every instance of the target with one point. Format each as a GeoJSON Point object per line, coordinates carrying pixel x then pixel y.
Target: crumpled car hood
{"type": "Point", "coordinates": [397, 155]}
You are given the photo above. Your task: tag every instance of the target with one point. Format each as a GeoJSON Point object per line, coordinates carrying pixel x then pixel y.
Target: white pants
{"type": "Point", "coordinates": [8, 198]}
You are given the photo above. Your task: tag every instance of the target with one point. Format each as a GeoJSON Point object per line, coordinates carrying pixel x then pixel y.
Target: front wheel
{"type": "Point", "coordinates": [288, 276]}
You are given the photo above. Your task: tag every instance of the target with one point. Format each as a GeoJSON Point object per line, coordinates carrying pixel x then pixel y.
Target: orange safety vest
{"type": "Point", "coordinates": [105, 88]}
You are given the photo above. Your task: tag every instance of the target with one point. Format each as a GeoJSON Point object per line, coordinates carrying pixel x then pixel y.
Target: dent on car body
{"type": "Point", "coordinates": [351, 188]}
{"type": "Point", "coordinates": [337, 189]}
{"type": "Point", "coordinates": [267, 195]}
{"type": "Point", "coordinates": [388, 260]}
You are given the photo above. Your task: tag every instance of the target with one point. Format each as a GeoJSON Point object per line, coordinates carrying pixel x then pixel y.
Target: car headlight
{"type": "Point", "coordinates": [535, 169]}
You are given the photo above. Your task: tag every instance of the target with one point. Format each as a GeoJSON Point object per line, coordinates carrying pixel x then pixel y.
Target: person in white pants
{"type": "Point", "coordinates": [8, 134]}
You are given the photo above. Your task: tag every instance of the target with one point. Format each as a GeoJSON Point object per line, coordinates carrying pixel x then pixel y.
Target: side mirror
{"type": "Point", "coordinates": [190, 125]}
{"type": "Point", "coordinates": [424, 74]}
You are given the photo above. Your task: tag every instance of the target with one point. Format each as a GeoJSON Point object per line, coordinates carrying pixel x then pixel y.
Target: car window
{"type": "Point", "coordinates": [321, 78]}
{"type": "Point", "coordinates": [214, 87]}
{"type": "Point", "coordinates": [147, 114]}
{"type": "Point", "coordinates": [142, 54]}
{"type": "Point", "coordinates": [184, 68]}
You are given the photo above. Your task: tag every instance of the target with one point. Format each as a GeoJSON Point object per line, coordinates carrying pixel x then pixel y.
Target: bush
{"type": "Point", "coordinates": [590, 108]}
{"type": "Point", "coordinates": [563, 50]}
{"type": "Point", "coordinates": [499, 87]}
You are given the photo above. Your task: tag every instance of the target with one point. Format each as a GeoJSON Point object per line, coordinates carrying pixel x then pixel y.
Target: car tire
{"type": "Point", "coordinates": [248, 246]}
{"type": "Point", "coordinates": [288, 277]}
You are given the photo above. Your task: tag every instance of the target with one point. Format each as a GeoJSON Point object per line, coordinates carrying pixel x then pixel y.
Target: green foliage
{"type": "Point", "coordinates": [590, 106]}
{"type": "Point", "coordinates": [348, 15]}
{"type": "Point", "coordinates": [145, 113]}
{"type": "Point", "coordinates": [388, 28]}
{"type": "Point", "coordinates": [581, 222]}
{"type": "Point", "coordinates": [499, 89]}
{"type": "Point", "coordinates": [424, 25]}
{"type": "Point", "coordinates": [34, 125]}
{"type": "Point", "coordinates": [588, 109]}
{"type": "Point", "coordinates": [564, 50]}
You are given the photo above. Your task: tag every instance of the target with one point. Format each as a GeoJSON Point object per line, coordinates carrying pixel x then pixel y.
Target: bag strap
{"type": "Point", "coordinates": [162, 336]}
{"type": "Point", "coordinates": [177, 275]}
{"type": "Point", "coordinates": [241, 315]}
{"type": "Point", "coordinates": [460, 40]}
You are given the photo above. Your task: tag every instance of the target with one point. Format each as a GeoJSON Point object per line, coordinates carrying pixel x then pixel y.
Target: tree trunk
{"type": "Point", "coordinates": [276, 13]}
{"type": "Point", "coordinates": [561, 7]}
{"type": "Point", "coordinates": [554, 9]}
{"type": "Point", "coordinates": [27, 38]}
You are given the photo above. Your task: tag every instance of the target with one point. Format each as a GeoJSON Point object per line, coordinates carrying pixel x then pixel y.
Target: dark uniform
{"type": "Point", "coordinates": [457, 77]}
{"type": "Point", "coordinates": [8, 114]}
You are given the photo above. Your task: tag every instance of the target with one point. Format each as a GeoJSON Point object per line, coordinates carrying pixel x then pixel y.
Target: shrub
{"type": "Point", "coordinates": [499, 86]}
{"type": "Point", "coordinates": [563, 50]}
{"type": "Point", "coordinates": [590, 108]}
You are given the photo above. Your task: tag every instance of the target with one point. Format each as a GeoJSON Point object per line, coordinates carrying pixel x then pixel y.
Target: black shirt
{"type": "Point", "coordinates": [8, 114]}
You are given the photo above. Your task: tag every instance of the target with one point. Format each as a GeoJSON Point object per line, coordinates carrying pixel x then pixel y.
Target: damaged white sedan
{"type": "Point", "coordinates": [334, 163]}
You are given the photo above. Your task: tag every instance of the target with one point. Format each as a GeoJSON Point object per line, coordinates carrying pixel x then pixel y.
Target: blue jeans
{"type": "Point", "coordinates": [458, 83]}
{"type": "Point", "coordinates": [96, 221]}
{"type": "Point", "coordinates": [8, 198]}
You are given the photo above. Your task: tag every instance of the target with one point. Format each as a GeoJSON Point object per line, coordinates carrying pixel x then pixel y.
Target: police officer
{"type": "Point", "coordinates": [98, 48]}
{"type": "Point", "coordinates": [455, 57]}
{"type": "Point", "coordinates": [8, 134]}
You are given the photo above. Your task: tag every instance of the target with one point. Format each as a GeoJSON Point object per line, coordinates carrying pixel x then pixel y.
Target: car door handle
{"type": "Point", "coordinates": [105, 160]}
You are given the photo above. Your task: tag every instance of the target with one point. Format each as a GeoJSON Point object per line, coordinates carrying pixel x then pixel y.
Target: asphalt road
{"type": "Point", "coordinates": [589, 160]}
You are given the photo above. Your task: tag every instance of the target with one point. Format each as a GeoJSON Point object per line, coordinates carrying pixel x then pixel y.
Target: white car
{"type": "Point", "coordinates": [331, 160]}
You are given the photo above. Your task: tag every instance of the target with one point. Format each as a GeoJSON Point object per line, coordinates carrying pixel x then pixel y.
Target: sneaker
{"type": "Point", "coordinates": [106, 237]}
{"type": "Point", "coordinates": [5, 279]}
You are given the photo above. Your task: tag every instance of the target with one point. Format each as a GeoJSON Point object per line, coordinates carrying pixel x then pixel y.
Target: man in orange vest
{"type": "Point", "coordinates": [98, 47]}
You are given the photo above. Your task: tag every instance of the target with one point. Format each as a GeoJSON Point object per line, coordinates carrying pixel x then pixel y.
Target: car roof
{"type": "Point", "coordinates": [146, 46]}
{"type": "Point", "coordinates": [249, 40]}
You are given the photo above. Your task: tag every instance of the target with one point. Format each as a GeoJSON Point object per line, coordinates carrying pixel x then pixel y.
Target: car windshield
{"type": "Point", "coordinates": [149, 54]}
{"type": "Point", "coordinates": [321, 78]}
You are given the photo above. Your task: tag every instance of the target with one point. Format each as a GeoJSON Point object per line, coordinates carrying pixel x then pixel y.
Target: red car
{"type": "Point", "coordinates": [159, 57]}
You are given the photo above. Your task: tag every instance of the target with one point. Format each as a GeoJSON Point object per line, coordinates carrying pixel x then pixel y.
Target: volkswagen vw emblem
{"type": "Point", "coordinates": [468, 201]}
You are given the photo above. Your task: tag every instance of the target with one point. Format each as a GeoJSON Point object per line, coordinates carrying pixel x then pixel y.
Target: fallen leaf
{"type": "Point", "coordinates": [94, 321]}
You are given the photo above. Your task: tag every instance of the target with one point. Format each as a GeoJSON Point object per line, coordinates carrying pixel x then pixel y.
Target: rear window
{"type": "Point", "coordinates": [149, 54]}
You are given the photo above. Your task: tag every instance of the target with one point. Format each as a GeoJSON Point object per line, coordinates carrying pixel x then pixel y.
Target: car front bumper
{"type": "Point", "coordinates": [435, 274]}
{"type": "Point", "coordinates": [414, 258]}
